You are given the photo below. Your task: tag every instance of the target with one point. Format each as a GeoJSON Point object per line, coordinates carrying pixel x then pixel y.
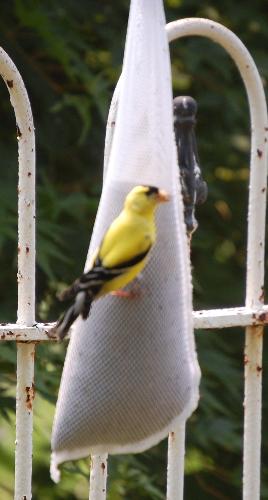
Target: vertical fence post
{"type": "Point", "coordinates": [98, 477]}
{"type": "Point", "coordinates": [175, 470]}
{"type": "Point", "coordinates": [26, 273]}
{"type": "Point", "coordinates": [256, 231]}
{"type": "Point", "coordinates": [24, 420]}
{"type": "Point", "coordinates": [99, 463]}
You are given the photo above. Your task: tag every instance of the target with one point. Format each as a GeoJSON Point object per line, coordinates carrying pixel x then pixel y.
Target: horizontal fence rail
{"type": "Point", "coordinates": [209, 319]}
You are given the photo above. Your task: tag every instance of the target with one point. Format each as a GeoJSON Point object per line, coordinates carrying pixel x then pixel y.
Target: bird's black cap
{"type": "Point", "coordinates": [152, 190]}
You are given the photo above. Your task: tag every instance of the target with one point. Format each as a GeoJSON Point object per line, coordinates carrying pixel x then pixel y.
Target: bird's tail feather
{"type": "Point", "coordinates": [68, 293]}
{"type": "Point", "coordinates": [82, 305]}
{"type": "Point", "coordinates": [86, 306]}
{"type": "Point", "coordinates": [65, 322]}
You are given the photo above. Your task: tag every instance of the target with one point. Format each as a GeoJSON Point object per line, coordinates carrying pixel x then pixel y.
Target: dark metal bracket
{"type": "Point", "coordinates": [194, 188]}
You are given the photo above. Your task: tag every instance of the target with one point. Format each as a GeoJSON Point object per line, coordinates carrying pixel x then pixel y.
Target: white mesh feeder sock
{"type": "Point", "coordinates": [131, 372]}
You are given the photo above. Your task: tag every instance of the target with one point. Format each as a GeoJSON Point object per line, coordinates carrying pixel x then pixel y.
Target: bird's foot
{"type": "Point", "coordinates": [134, 293]}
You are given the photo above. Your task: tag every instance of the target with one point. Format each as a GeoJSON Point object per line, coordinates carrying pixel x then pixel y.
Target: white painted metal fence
{"type": "Point", "coordinates": [26, 332]}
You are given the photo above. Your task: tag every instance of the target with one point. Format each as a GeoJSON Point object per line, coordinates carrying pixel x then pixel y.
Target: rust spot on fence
{"type": "Point", "coordinates": [29, 128]}
{"type": "Point", "coordinates": [10, 333]}
{"type": "Point", "coordinates": [10, 84]}
{"type": "Point", "coordinates": [52, 334]}
{"type": "Point", "coordinates": [3, 336]}
{"type": "Point", "coordinates": [29, 174]}
{"type": "Point", "coordinates": [30, 394]}
{"type": "Point", "coordinates": [172, 435]}
{"type": "Point", "coordinates": [263, 317]}
{"type": "Point", "coordinates": [263, 189]}
{"type": "Point", "coordinates": [103, 466]}
{"type": "Point", "coordinates": [259, 369]}
{"type": "Point", "coordinates": [27, 249]}
{"type": "Point", "coordinates": [246, 360]}
{"type": "Point", "coordinates": [19, 134]}
{"type": "Point", "coordinates": [19, 276]}
{"type": "Point", "coordinates": [261, 297]}
{"type": "Point", "coordinates": [259, 153]}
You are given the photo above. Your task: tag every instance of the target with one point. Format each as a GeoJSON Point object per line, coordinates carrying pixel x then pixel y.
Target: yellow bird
{"type": "Point", "coordinates": [120, 257]}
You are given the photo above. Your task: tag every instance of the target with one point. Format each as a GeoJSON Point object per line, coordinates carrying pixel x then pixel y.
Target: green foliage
{"type": "Point", "coordinates": [70, 56]}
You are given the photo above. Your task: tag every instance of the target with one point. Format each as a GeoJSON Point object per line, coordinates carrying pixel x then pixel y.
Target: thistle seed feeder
{"type": "Point", "coordinates": [131, 372]}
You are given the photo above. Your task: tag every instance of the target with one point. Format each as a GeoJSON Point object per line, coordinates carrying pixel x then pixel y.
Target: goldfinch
{"type": "Point", "coordinates": [121, 256]}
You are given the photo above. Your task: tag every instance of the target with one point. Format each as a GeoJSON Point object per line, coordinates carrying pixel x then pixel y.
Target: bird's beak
{"type": "Point", "coordinates": [162, 196]}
